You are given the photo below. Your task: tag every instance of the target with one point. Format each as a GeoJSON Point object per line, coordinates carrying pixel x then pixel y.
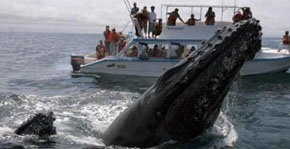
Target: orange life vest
{"type": "Point", "coordinates": [172, 18]}
{"type": "Point", "coordinates": [107, 35]}
{"type": "Point", "coordinates": [113, 38]}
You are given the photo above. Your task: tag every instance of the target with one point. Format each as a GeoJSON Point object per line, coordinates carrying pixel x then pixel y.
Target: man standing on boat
{"type": "Point", "coordinates": [135, 9]}
{"type": "Point", "coordinates": [107, 41]}
{"type": "Point", "coordinates": [114, 38]}
{"type": "Point", "coordinates": [210, 17]}
{"type": "Point", "coordinates": [173, 17]}
{"type": "Point", "coordinates": [145, 18]}
{"type": "Point", "coordinates": [152, 20]}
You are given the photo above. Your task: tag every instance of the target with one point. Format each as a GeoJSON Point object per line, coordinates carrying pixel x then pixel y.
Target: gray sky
{"type": "Point", "coordinates": [90, 16]}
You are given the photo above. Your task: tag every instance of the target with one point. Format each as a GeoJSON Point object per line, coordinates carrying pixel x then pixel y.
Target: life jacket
{"type": "Point", "coordinates": [286, 40]}
{"type": "Point", "coordinates": [113, 38]}
{"type": "Point", "coordinates": [106, 35]}
{"type": "Point", "coordinates": [172, 17]}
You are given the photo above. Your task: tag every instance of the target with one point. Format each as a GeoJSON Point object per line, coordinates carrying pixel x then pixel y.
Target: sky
{"type": "Point", "coordinates": [91, 16]}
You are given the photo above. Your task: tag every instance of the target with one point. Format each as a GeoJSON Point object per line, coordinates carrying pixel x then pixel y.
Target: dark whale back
{"type": "Point", "coordinates": [40, 124]}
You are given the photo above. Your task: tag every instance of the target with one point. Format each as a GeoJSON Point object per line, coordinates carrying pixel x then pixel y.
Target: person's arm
{"type": "Point", "coordinates": [180, 19]}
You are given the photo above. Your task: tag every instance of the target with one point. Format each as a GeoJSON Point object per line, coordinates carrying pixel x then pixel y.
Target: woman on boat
{"type": "Point", "coordinates": [210, 17]}
{"type": "Point", "coordinates": [100, 50]}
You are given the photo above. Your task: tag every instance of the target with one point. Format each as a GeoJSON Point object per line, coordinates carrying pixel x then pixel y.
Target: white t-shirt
{"type": "Point", "coordinates": [152, 17]}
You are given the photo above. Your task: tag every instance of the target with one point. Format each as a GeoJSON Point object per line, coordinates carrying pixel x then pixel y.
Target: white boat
{"type": "Point", "coordinates": [172, 38]}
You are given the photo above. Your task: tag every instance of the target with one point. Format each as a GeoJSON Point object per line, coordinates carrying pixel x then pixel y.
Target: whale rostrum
{"type": "Point", "coordinates": [186, 100]}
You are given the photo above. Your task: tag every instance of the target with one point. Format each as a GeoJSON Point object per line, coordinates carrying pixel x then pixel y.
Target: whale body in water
{"type": "Point", "coordinates": [186, 100]}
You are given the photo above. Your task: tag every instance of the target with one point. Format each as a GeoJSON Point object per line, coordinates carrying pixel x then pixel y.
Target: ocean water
{"type": "Point", "coordinates": [35, 77]}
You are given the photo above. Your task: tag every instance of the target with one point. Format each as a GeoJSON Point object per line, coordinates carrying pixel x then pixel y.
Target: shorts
{"type": "Point", "coordinates": [151, 27]}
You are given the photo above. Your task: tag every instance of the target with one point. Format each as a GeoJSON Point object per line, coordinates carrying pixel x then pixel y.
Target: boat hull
{"type": "Point", "coordinates": [155, 67]}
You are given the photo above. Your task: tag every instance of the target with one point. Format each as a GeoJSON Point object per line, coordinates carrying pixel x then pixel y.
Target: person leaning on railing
{"type": "Point", "coordinates": [173, 17]}
{"type": "Point", "coordinates": [191, 21]}
{"type": "Point", "coordinates": [158, 28]}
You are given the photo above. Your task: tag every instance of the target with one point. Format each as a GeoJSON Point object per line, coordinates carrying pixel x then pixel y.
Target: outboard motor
{"type": "Point", "coordinates": [76, 62]}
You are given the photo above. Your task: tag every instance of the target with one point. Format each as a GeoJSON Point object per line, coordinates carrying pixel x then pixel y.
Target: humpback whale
{"type": "Point", "coordinates": [40, 124]}
{"type": "Point", "coordinates": [186, 100]}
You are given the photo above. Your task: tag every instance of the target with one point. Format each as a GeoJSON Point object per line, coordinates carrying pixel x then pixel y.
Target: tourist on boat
{"type": "Point", "coordinates": [237, 17]}
{"type": "Point", "coordinates": [114, 38]}
{"type": "Point", "coordinates": [100, 50]}
{"type": "Point", "coordinates": [107, 41]}
{"type": "Point", "coordinates": [121, 44]}
{"type": "Point", "coordinates": [135, 9]}
{"type": "Point", "coordinates": [121, 35]}
{"type": "Point", "coordinates": [179, 51]}
{"type": "Point", "coordinates": [286, 38]}
{"type": "Point", "coordinates": [152, 20]}
{"type": "Point", "coordinates": [145, 18]}
{"type": "Point", "coordinates": [155, 51]}
{"type": "Point", "coordinates": [158, 28]}
{"type": "Point", "coordinates": [210, 17]}
{"type": "Point", "coordinates": [173, 17]}
{"type": "Point", "coordinates": [191, 20]}
{"type": "Point", "coordinates": [247, 14]}
{"type": "Point", "coordinates": [139, 17]}
{"type": "Point", "coordinates": [133, 52]}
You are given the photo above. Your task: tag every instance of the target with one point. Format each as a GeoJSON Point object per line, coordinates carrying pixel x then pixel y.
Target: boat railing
{"type": "Point", "coordinates": [200, 7]}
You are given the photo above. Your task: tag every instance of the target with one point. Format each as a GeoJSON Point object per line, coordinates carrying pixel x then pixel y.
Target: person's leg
{"type": "Point", "coordinates": [107, 44]}
{"type": "Point", "coordinates": [145, 30]}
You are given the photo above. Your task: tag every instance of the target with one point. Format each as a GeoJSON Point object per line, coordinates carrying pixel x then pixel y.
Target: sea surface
{"type": "Point", "coordinates": [35, 77]}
